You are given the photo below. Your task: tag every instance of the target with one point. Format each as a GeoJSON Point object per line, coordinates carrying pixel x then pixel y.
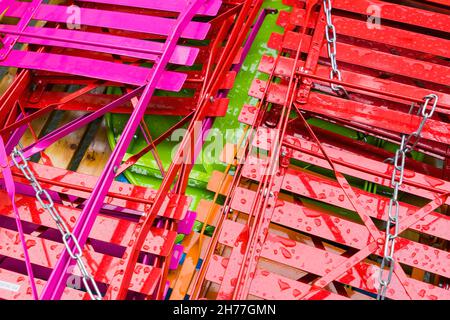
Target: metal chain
{"type": "Point", "coordinates": [398, 173]}
{"type": "Point", "coordinates": [330, 34]}
{"type": "Point", "coordinates": [47, 203]}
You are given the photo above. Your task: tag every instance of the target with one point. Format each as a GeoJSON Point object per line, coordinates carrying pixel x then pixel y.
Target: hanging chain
{"type": "Point", "coordinates": [47, 203]}
{"type": "Point", "coordinates": [330, 34]}
{"type": "Point", "coordinates": [398, 173]}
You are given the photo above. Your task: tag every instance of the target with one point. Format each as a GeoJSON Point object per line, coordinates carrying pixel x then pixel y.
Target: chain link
{"type": "Point", "coordinates": [330, 34]}
{"type": "Point", "coordinates": [47, 203]}
{"type": "Point", "coordinates": [398, 174]}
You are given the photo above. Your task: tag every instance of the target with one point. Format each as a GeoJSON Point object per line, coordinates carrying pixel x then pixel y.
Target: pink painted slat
{"type": "Point", "coordinates": [129, 46]}
{"type": "Point", "coordinates": [387, 35]}
{"type": "Point", "coordinates": [248, 115]}
{"type": "Point", "coordinates": [209, 9]}
{"type": "Point", "coordinates": [379, 172]}
{"type": "Point", "coordinates": [9, 41]}
{"type": "Point", "coordinates": [97, 69]}
{"type": "Point", "coordinates": [114, 20]}
{"type": "Point", "coordinates": [363, 275]}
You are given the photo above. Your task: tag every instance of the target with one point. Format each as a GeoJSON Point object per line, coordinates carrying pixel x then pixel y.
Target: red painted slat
{"type": "Point", "coordinates": [114, 20]}
{"type": "Point", "coordinates": [45, 253]}
{"type": "Point", "coordinates": [285, 64]}
{"type": "Point", "coordinates": [383, 34]}
{"type": "Point", "coordinates": [396, 12]}
{"type": "Point", "coordinates": [415, 183]}
{"type": "Point", "coordinates": [15, 286]}
{"type": "Point", "coordinates": [96, 69]}
{"type": "Point", "coordinates": [107, 229]}
{"type": "Point", "coordinates": [210, 8]}
{"type": "Point", "coordinates": [365, 57]}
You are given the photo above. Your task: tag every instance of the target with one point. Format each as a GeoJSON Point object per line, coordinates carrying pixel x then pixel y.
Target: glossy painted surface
{"type": "Point", "coordinates": [312, 228]}
{"type": "Point", "coordinates": [307, 191]}
{"type": "Point", "coordinates": [126, 204]}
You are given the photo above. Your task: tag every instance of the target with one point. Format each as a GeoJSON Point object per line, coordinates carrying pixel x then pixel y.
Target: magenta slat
{"type": "Point", "coordinates": [97, 69]}
{"type": "Point", "coordinates": [209, 9]}
{"type": "Point", "coordinates": [129, 47]}
{"type": "Point", "coordinates": [115, 20]}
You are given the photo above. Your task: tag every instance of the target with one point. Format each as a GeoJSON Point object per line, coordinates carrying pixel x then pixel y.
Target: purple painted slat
{"type": "Point", "coordinates": [97, 69]}
{"type": "Point", "coordinates": [115, 20]}
{"type": "Point", "coordinates": [105, 43]}
{"type": "Point", "coordinates": [209, 9]}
